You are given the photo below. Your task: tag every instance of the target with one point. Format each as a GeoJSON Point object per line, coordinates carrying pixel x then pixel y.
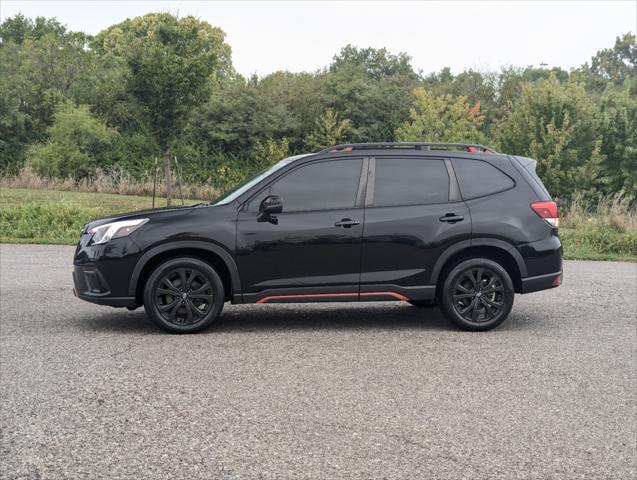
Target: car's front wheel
{"type": "Point", "coordinates": [183, 295]}
{"type": "Point", "coordinates": [477, 294]}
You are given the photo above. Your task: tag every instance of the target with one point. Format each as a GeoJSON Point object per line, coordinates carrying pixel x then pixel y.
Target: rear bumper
{"type": "Point", "coordinates": [541, 282]}
{"type": "Point", "coordinates": [543, 261]}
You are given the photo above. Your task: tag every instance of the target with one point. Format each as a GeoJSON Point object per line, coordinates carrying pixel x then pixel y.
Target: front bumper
{"type": "Point", "coordinates": [102, 273]}
{"type": "Point", "coordinates": [90, 285]}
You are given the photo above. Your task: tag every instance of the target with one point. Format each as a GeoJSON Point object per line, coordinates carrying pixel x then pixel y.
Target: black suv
{"type": "Point", "coordinates": [454, 224]}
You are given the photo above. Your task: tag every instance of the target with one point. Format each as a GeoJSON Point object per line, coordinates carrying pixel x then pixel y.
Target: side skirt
{"type": "Point", "coordinates": [340, 293]}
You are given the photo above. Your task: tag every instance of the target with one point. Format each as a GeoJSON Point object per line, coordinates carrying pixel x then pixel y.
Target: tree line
{"type": "Point", "coordinates": [159, 87]}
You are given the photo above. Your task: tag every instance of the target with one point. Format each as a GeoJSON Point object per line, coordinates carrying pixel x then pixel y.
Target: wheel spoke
{"type": "Point", "coordinates": [188, 311]}
{"type": "Point", "coordinates": [463, 295]}
{"type": "Point", "coordinates": [462, 288]}
{"type": "Point", "coordinates": [474, 311]}
{"type": "Point", "coordinates": [489, 309]}
{"type": "Point", "coordinates": [182, 277]}
{"type": "Point", "coordinates": [198, 312]}
{"type": "Point", "coordinates": [165, 291]}
{"type": "Point", "coordinates": [203, 288]}
{"type": "Point", "coordinates": [467, 308]}
{"type": "Point", "coordinates": [189, 280]}
{"type": "Point", "coordinates": [170, 285]}
{"type": "Point", "coordinates": [168, 306]}
{"type": "Point", "coordinates": [493, 289]}
{"type": "Point", "coordinates": [207, 298]}
{"type": "Point", "coordinates": [173, 313]}
{"type": "Point", "coordinates": [493, 303]}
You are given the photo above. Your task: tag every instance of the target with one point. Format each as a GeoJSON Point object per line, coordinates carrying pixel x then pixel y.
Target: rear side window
{"type": "Point", "coordinates": [410, 181]}
{"type": "Point", "coordinates": [478, 178]}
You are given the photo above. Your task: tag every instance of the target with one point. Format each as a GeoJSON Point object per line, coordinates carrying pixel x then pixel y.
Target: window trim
{"type": "Point", "coordinates": [357, 199]}
{"type": "Point", "coordinates": [369, 198]}
{"type": "Point", "coordinates": [462, 159]}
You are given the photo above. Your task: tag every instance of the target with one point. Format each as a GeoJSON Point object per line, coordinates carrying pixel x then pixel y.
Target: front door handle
{"type": "Point", "coordinates": [452, 218]}
{"type": "Point", "coordinates": [347, 223]}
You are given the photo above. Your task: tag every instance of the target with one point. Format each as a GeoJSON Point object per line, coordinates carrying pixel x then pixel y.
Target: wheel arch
{"type": "Point", "coordinates": [219, 258]}
{"type": "Point", "coordinates": [497, 250]}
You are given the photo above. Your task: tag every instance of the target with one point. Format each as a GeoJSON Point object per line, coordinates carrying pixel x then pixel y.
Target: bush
{"type": "Point", "coordinates": [78, 144]}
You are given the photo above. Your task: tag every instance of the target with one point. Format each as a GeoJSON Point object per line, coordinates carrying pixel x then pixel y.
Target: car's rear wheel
{"type": "Point", "coordinates": [477, 294]}
{"type": "Point", "coordinates": [183, 295]}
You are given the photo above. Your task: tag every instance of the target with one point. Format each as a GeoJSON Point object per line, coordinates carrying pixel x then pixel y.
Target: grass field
{"type": "Point", "coordinates": [49, 216]}
{"type": "Point", "coordinates": [606, 232]}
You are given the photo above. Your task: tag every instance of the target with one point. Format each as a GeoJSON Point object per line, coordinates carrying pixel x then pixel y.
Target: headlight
{"type": "Point", "coordinates": [108, 231]}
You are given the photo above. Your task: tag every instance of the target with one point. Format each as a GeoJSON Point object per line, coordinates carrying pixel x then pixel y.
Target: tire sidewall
{"type": "Point", "coordinates": [447, 294]}
{"type": "Point", "coordinates": [188, 262]}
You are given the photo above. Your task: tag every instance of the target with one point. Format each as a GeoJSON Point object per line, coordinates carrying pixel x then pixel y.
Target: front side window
{"type": "Point", "coordinates": [477, 178]}
{"type": "Point", "coordinates": [410, 181]}
{"type": "Point", "coordinates": [316, 186]}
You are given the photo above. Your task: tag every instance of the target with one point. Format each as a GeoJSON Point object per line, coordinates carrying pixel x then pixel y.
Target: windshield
{"type": "Point", "coordinates": [239, 190]}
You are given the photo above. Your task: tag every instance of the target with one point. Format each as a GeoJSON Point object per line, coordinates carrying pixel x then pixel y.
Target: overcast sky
{"type": "Point", "coordinates": [270, 36]}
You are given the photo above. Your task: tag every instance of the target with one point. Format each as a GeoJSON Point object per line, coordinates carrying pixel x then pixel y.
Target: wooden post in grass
{"type": "Point", "coordinates": [155, 182]}
{"type": "Point", "coordinates": [178, 173]}
{"type": "Point", "coordinates": [168, 176]}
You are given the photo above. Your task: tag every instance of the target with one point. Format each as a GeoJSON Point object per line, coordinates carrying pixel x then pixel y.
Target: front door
{"type": "Point", "coordinates": [312, 249]}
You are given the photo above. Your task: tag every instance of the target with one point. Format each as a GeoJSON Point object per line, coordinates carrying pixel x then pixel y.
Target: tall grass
{"type": "Point", "coordinates": [605, 230]}
{"type": "Point", "coordinates": [107, 181]}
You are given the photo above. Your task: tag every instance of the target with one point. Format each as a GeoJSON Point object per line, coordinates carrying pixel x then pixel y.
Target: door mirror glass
{"type": "Point", "coordinates": [270, 205]}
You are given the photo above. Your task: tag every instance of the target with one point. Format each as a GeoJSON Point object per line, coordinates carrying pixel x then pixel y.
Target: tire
{"type": "Point", "coordinates": [423, 303]}
{"type": "Point", "coordinates": [183, 295]}
{"type": "Point", "coordinates": [477, 295]}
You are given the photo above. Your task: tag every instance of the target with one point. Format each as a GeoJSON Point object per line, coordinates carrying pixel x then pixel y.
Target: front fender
{"type": "Point", "coordinates": [225, 256]}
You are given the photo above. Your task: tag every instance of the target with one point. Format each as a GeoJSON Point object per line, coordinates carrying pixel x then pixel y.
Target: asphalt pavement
{"type": "Point", "coordinates": [320, 391]}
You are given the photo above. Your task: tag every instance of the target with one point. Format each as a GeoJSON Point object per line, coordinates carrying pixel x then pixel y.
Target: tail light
{"type": "Point", "coordinates": [548, 211]}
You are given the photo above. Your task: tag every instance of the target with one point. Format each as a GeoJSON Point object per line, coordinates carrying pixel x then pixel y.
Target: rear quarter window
{"type": "Point", "coordinates": [478, 179]}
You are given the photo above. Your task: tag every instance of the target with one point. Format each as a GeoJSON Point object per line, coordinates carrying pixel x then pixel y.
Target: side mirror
{"type": "Point", "coordinates": [270, 206]}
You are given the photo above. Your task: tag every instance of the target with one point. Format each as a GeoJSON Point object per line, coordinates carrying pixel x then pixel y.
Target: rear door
{"type": "Point", "coordinates": [413, 213]}
{"type": "Point", "coordinates": [314, 248]}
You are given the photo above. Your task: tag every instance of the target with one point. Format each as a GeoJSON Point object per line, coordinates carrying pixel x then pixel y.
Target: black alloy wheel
{"type": "Point", "coordinates": [184, 295]}
{"type": "Point", "coordinates": [477, 294]}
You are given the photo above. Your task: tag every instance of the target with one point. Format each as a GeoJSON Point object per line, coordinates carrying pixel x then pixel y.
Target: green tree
{"type": "Point", "coordinates": [376, 63]}
{"type": "Point", "coordinates": [441, 119]}
{"type": "Point", "coordinates": [370, 87]}
{"type": "Point", "coordinates": [558, 125]}
{"type": "Point", "coordinates": [617, 63]}
{"type": "Point", "coordinates": [42, 64]}
{"type": "Point", "coordinates": [330, 129]}
{"type": "Point", "coordinates": [173, 65]}
{"type": "Point", "coordinates": [19, 28]}
{"type": "Point", "coordinates": [618, 131]}
{"type": "Point", "coordinates": [78, 144]}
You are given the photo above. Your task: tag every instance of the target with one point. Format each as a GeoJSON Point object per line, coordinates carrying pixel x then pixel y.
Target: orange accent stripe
{"type": "Point", "coordinates": [398, 296]}
{"type": "Point", "coordinates": [307, 295]}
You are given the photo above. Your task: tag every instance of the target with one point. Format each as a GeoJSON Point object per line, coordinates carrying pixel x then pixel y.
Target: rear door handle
{"type": "Point", "coordinates": [347, 223]}
{"type": "Point", "coordinates": [452, 218]}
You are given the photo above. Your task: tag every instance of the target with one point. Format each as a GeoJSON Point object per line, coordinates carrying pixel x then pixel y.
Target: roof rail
{"type": "Point", "coordinates": [468, 147]}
